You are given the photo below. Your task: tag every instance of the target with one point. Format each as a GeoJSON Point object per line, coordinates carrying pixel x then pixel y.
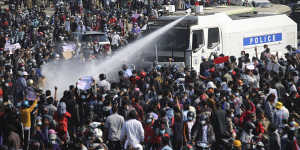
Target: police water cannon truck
{"type": "Point", "coordinates": [197, 37]}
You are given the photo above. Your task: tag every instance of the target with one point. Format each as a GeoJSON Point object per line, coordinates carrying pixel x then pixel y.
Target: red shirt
{"type": "Point", "coordinates": [62, 122]}
{"type": "Point", "coordinates": [158, 139]}
{"type": "Point", "coordinates": [140, 111]}
{"type": "Point", "coordinates": [260, 128]}
{"type": "Point", "coordinates": [149, 133]}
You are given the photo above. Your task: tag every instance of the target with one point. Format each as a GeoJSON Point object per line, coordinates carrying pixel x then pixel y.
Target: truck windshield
{"type": "Point", "coordinates": [174, 39]}
{"type": "Point", "coordinates": [94, 38]}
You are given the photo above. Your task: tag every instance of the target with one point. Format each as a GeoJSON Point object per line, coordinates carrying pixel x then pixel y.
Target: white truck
{"type": "Point", "coordinates": [199, 36]}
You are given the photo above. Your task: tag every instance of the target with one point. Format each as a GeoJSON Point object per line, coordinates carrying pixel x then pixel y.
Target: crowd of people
{"type": "Point", "coordinates": [241, 104]}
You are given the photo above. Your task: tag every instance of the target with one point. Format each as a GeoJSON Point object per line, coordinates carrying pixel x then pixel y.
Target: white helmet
{"type": "Point", "coordinates": [30, 82]}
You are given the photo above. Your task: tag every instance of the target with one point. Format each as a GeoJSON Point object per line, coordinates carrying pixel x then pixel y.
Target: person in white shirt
{"type": "Point", "coordinates": [68, 25]}
{"type": "Point", "coordinates": [115, 41]}
{"type": "Point", "coordinates": [280, 114]}
{"type": "Point", "coordinates": [127, 71]}
{"type": "Point", "coordinates": [81, 27]}
{"type": "Point", "coordinates": [103, 83]}
{"type": "Point", "coordinates": [132, 132]}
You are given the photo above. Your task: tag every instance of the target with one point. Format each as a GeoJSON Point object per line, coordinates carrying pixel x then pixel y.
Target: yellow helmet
{"type": "Point", "coordinates": [237, 143]}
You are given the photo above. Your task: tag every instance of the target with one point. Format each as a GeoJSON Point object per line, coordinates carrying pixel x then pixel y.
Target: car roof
{"type": "Point", "coordinates": [92, 32]}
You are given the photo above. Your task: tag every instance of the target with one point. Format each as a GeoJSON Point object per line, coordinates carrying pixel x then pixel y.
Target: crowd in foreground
{"type": "Point", "coordinates": [246, 103]}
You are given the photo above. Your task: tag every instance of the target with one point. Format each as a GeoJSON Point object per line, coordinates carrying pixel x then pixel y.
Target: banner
{"type": "Point", "coordinates": [11, 47]}
{"type": "Point", "coordinates": [85, 83]}
{"type": "Point", "coordinates": [69, 47]}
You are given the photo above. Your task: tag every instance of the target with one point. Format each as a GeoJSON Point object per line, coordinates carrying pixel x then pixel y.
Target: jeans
{"type": "Point", "coordinates": [26, 138]}
{"type": "Point", "coordinates": [114, 145]}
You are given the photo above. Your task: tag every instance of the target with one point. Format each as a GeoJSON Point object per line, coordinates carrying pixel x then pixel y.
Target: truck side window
{"type": "Point", "coordinates": [197, 39]}
{"type": "Point", "coordinates": [213, 37]}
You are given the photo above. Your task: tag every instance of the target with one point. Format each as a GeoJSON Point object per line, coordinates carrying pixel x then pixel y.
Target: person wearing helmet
{"type": "Point", "coordinates": [237, 145]}
{"type": "Point", "coordinates": [53, 140]}
{"type": "Point", "coordinates": [203, 132]}
{"type": "Point", "coordinates": [21, 85]}
{"type": "Point", "coordinates": [30, 91]}
{"type": "Point", "coordinates": [188, 127]}
{"type": "Point", "coordinates": [26, 120]}
{"type": "Point", "coordinates": [149, 130]}
{"type": "Point", "coordinates": [103, 83]}
{"type": "Point", "coordinates": [247, 135]}
{"type": "Point", "coordinates": [281, 115]}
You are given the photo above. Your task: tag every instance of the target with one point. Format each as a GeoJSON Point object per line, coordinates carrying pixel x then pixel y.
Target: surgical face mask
{"type": "Point", "coordinates": [232, 115]}
{"type": "Point", "coordinates": [202, 122]}
{"type": "Point", "coordinates": [190, 118]}
{"type": "Point", "coordinates": [148, 121]}
{"type": "Point", "coordinates": [162, 131]}
{"type": "Point", "coordinates": [250, 130]}
{"type": "Point", "coordinates": [296, 78]}
{"type": "Point", "coordinates": [159, 97]}
{"type": "Point", "coordinates": [83, 97]}
{"type": "Point", "coordinates": [218, 94]}
{"type": "Point", "coordinates": [52, 142]}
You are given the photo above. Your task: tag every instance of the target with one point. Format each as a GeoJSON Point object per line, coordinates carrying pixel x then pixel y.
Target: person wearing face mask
{"type": "Point", "coordinates": [230, 123]}
{"type": "Point", "coordinates": [114, 124]}
{"type": "Point", "coordinates": [247, 135]}
{"type": "Point", "coordinates": [160, 132]}
{"type": "Point", "coordinates": [132, 132]}
{"type": "Point", "coordinates": [187, 127]}
{"type": "Point", "coordinates": [103, 83]}
{"type": "Point", "coordinates": [115, 41]}
{"type": "Point", "coordinates": [149, 130]}
{"type": "Point", "coordinates": [281, 115]}
{"type": "Point", "coordinates": [62, 117]}
{"type": "Point", "coordinates": [203, 132]}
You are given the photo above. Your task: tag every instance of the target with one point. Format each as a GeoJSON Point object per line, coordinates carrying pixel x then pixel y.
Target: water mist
{"type": "Point", "coordinates": [66, 73]}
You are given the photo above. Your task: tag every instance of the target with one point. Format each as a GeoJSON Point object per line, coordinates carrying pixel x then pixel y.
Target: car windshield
{"type": "Point", "coordinates": [263, 4]}
{"type": "Point", "coordinates": [94, 38]}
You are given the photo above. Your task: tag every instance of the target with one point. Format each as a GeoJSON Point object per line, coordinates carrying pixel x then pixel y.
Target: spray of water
{"type": "Point", "coordinates": [66, 73]}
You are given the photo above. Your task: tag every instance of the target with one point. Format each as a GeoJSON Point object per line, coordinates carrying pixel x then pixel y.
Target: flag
{"type": "Point", "coordinates": [220, 60]}
{"type": "Point", "coordinates": [296, 146]}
